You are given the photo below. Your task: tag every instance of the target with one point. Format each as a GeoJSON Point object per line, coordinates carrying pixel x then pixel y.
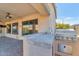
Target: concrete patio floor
{"type": "Point", "coordinates": [11, 47]}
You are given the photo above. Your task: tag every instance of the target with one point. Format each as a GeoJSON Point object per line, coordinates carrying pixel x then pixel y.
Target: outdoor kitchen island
{"type": "Point", "coordinates": [38, 44]}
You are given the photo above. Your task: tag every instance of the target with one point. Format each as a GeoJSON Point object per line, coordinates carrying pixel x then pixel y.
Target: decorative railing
{"type": "Point", "coordinates": [65, 35]}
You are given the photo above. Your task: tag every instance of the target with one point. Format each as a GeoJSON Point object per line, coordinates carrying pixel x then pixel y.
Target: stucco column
{"type": "Point", "coordinates": [20, 29]}
{"type": "Point", "coordinates": [52, 24]}
{"type": "Point", "coordinates": [52, 18]}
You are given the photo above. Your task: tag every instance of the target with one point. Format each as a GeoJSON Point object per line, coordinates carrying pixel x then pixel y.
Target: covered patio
{"type": "Point", "coordinates": [25, 29]}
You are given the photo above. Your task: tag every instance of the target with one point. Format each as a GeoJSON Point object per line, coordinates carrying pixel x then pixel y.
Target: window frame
{"type": "Point", "coordinates": [9, 28]}
{"type": "Point", "coordinates": [15, 24]}
{"type": "Point", "coordinates": [33, 26]}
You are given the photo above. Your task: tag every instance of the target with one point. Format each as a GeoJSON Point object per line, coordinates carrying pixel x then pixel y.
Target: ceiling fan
{"type": "Point", "coordinates": [8, 15]}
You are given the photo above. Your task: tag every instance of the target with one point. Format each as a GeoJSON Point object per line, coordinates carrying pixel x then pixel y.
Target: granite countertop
{"type": "Point", "coordinates": [40, 37]}
{"type": "Point", "coordinates": [40, 40]}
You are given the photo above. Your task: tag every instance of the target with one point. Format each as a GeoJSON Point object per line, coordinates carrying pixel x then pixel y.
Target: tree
{"type": "Point", "coordinates": [62, 26]}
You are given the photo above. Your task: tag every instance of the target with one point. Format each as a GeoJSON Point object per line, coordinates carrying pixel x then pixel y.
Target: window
{"type": "Point", "coordinates": [15, 28]}
{"type": "Point", "coordinates": [30, 27]}
{"type": "Point", "coordinates": [8, 28]}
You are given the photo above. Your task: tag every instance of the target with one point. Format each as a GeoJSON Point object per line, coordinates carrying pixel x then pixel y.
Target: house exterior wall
{"type": "Point", "coordinates": [42, 25]}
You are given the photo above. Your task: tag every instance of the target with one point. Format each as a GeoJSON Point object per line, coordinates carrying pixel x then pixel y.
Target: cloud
{"type": "Point", "coordinates": [68, 20]}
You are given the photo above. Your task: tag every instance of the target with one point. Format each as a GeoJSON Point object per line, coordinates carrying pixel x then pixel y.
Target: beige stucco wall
{"type": "Point", "coordinates": [43, 24]}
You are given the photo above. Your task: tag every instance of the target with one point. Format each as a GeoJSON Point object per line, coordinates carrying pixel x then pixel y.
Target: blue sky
{"type": "Point", "coordinates": [68, 13]}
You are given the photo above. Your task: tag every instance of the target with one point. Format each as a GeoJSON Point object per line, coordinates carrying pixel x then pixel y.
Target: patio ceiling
{"type": "Point", "coordinates": [20, 9]}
